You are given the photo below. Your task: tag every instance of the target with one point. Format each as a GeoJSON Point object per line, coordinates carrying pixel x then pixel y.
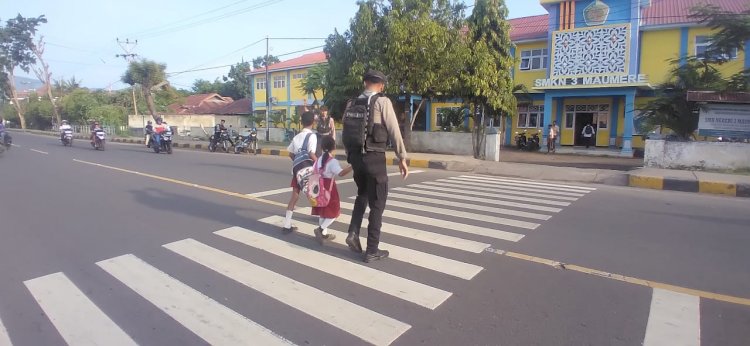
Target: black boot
{"type": "Point", "coordinates": [352, 240]}
{"type": "Point", "coordinates": [375, 255]}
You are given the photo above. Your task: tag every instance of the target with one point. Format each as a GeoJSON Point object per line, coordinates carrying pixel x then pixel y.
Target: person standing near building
{"type": "Point", "coordinates": [374, 113]}
{"type": "Point", "coordinates": [302, 153]}
{"type": "Point", "coordinates": [554, 132]}
{"type": "Point", "coordinates": [588, 135]}
{"type": "Point", "coordinates": [325, 128]}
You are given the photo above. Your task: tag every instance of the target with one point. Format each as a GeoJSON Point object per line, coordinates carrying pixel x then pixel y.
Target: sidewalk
{"type": "Point", "coordinates": [585, 169]}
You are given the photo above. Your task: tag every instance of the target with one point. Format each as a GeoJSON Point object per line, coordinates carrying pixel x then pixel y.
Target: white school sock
{"type": "Point", "coordinates": [325, 223]}
{"type": "Point", "coordinates": [288, 219]}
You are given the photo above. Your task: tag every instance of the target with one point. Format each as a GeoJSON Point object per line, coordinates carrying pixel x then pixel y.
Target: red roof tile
{"type": "Point", "coordinates": [305, 60]}
{"type": "Point", "coordinates": [241, 106]}
{"type": "Point", "coordinates": [529, 28]}
{"type": "Point", "coordinates": [670, 12]}
{"type": "Point", "coordinates": [200, 104]}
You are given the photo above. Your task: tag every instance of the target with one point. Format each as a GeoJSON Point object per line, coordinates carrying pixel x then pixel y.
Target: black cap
{"type": "Point", "coordinates": [375, 76]}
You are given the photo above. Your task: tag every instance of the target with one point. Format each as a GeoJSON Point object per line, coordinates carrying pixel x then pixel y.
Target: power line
{"type": "Point", "coordinates": [211, 19]}
{"type": "Point", "coordinates": [161, 27]}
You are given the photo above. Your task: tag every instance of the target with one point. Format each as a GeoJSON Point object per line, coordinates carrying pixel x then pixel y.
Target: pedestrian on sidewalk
{"type": "Point", "coordinates": [302, 152]}
{"type": "Point", "coordinates": [369, 121]}
{"type": "Point", "coordinates": [325, 127]}
{"type": "Point", "coordinates": [553, 133]}
{"type": "Point", "coordinates": [330, 168]}
{"type": "Point", "coordinates": [588, 135]}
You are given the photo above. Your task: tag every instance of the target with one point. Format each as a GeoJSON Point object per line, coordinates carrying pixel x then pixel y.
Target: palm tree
{"type": "Point", "coordinates": [149, 75]}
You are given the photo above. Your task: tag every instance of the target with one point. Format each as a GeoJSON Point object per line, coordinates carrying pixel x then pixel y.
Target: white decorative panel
{"type": "Point", "coordinates": [591, 51]}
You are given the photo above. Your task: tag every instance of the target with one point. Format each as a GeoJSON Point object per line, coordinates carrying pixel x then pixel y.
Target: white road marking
{"type": "Point", "coordinates": [464, 215]}
{"type": "Point", "coordinates": [4, 337]}
{"type": "Point", "coordinates": [207, 318]}
{"type": "Point", "coordinates": [39, 151]}
{"type": "Point", "coordinates": [289, 189]}
{"type": "Point", "coordinates": [15, 145]}
{"type": "Point", "coordinates": [444, 202]}
{"type": "Point", "coordinates": [460, 186]}
{"type": "Point", "coordinates": [412, 291]}
{"type": "Point", "coordinates": [531, 182]}
{"type": "Point", "coordinates": [674, 319]}
{"type": "Point", "coordinates": [455, 195]}
{"type": "Point", "coordinates": [78, 320]}
{"type": "Point", "coordinates": [537, 188]}
{"type": "Point", "coordinates": [417, 234]}
{"type": "Point", "coordinates": [425, 260]}
{"type": "Point", "coordinates": [456, 226]}
{"type": "Point", "coordinates": [361, 322]}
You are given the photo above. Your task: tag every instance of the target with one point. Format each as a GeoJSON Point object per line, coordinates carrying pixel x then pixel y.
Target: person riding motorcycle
{"type": "Point", "coordinates": [63, 127]}
{"type": "Point", "coordinates": [94, 129]}
{"type": "Point", "coordinates": [2, 131]}
{"type": "Point", "coordinates": [219, 130]}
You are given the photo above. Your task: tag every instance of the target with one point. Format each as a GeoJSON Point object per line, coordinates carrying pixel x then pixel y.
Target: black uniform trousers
{"type": "Point", "coordinates": [371, 177]}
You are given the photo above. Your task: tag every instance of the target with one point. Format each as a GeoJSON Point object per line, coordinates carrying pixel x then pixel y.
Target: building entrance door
{"type": "Point", "coordinates": [582, 119]}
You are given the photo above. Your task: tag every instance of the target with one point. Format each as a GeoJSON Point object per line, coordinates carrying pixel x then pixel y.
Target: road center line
{"type": "Point", "coordinates": [288, 189]}
{"type": "Point", "coordinates": [623, 278]}
{"type": "Point", "coordinates": [184, 183]}
{"type": "Point", "coordinates": [39, 151]}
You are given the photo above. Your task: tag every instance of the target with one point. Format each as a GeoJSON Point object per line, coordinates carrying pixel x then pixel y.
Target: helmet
{"type": "Point", "coordinates": [158, 120]}
{"type": "Point", "coordinates": [149, 122]}
{"type": "Point", "coordinates": [65, 122]}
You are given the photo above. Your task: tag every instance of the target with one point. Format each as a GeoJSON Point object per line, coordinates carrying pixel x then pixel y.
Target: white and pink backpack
{"type": "Point", "coordinates": [318, 193]}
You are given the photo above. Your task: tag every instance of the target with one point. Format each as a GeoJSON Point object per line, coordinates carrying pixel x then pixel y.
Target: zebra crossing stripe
{"type": "Point", "coordinates": [505, 192]}
{"type": "Point", "coordinates": [4, 337]}
{"type": "Point", "coordinates": [425, 260]}
{"type": "Point", "coordinates": [522, 190]}
{"type": "Point", "coordinates": [674, 319]}
{"type": "Point", "coordinates": [78, 320]}
{"type": "Point", "coordinates": [207, 318]}
{"type": "Point", "coordinates": [363, 323]}
{"type": "Point", "coordinates": [537, 188]}
{"type": "Point", "coordinates": [478, 199]}
{"type": "Point", "coordinates": [465, 215]}
{"type": "Point", "coordinates": [532, 182]}
{"type": "Point", "coordinates": [455, 226]}
{"type": "Point", "coordinates": [411, 291]}
{"type": "Point", "coordinates": [494, 210]}
{"type": "Point", "coordinates": [417, 234]}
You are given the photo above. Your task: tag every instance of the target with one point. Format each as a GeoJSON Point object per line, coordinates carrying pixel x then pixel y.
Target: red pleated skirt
{"type": "Point", "coordinates": [333, 210]}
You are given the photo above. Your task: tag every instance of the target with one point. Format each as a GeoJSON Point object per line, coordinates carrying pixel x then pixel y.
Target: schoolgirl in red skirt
{"type": "Point", "coordinates": [330, 169]}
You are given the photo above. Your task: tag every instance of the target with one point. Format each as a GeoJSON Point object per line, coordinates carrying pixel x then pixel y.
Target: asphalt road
{"type": "Point", "coordinates": [129, 247]}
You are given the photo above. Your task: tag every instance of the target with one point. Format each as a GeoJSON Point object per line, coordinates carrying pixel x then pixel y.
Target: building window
{"type": "Point", "coordinates": [703, 44]}
{"type": "Point", "coordinates": [448, 117]}
{"type": "Point", "coordinates": [569, 119]}
{"type": "Point", "coordinates": [535, 59]}
{"type": "Point", "coordinates": [603, 120]}
{"type": "Point", "coordinates": [279, 82]}
{"type": "Point", "coordinates": [530, 116]}
{"type": "Point", "coordinates": [260, 84]}
{"type": "Point", "coordinates": [299, 76]}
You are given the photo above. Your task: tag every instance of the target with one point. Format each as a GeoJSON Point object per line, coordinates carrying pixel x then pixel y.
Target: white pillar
{"type": "Point", "coordinates": [492, 146]}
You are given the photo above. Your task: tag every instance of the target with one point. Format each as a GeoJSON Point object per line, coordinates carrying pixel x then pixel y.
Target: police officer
{"type": "Point", "coordinates": [370, 172]}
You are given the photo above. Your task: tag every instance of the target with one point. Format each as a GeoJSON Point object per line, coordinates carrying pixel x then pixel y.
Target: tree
{"type": "Point", "coordinates": [42, 72]}
{"type": "Point", "coordinates": [486, 79]}
{"type": "Point", "coordinates": [671, 109]}
{"type": "Point", "coordinates": [237, 84]}
{"type": "Point", "coordinates": [77, 106]}
{"type": "Point", "coordinates": [202, 86]}
{"type": "Point", "coordinates": [315, 81]}
{"type": "Point", "coordinates": [149, 75]}
{"type": "Point", "coordinates": [16, 51]}
{"type": "Point", "coordinates": [260, 62]}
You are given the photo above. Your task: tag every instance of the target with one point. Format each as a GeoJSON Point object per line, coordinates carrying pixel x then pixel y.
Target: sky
{"type": "Point", "coordinates": [82, 35]}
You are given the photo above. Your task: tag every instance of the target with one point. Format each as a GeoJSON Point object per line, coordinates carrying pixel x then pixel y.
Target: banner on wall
{"type": "Point", "coordinates": [724, 120]}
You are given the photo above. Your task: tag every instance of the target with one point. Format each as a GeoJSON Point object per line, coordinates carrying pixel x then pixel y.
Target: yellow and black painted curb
{"type": "Point", "coordinates": [688, 185]}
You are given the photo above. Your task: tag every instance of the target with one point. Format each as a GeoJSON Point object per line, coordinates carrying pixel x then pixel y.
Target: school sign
{"type": "Point", "coordinates": [593, 81]}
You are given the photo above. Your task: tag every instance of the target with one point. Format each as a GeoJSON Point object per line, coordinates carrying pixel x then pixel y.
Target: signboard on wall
{"type": "Point", "coordinates": [592, 82]}
{"type": "Point", "coordinates": [724, 120]}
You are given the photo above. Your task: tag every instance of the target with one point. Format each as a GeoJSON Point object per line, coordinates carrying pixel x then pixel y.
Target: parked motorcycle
{"type": "Point", "coordinates": [162, 142]}
{"type": "Point", "coordinates": [67, 138]}
{"type": "Point", "coordinates": [99, 139]}
{"type": "Point", "coordinates": [247, 143]}
{"type": "Point", "coordinates": [528, 144]}
{"type": "Point", "coordinates": [222, 141]}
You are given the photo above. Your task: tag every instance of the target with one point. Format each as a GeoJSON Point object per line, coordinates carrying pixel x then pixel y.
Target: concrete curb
{"type": "Point", "coordinates": [689, 185]}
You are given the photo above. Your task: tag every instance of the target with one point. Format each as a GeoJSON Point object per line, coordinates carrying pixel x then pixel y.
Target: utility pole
{"type": "Point", "coordinates": [128, 47]}
{"type": "Point", "coordinates": [268, 96]}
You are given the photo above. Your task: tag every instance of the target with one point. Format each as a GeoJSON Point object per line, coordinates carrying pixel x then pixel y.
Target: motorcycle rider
{"type": "Point", "coordinates": [64, 126]}
{"type": "Point", "coordinates": [160, 127]}
{"type": "Point", "coordinates": [2, 131]}
{"type": "Point", "coordinates": [94, 128]}
{"type": "Point", "coordinates": [149, 132]}
{"type": "Point", "coordinates": [220, 129]}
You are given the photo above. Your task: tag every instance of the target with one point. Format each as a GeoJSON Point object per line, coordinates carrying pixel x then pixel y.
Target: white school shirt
{"type": "Point", "coordinates": [333, 168]}
{"type": "Point", "coordinates": [299, 140]}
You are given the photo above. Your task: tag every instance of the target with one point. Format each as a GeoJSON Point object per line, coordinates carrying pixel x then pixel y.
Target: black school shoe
{"type": "Point", "coordinates": [320, 237]}
{"type": "Point", "coordinates": [375, 256]}
{"type": "Point", "coordinates": [352, 240]}
{"type": "Point", "coordinates": [289, 230]}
